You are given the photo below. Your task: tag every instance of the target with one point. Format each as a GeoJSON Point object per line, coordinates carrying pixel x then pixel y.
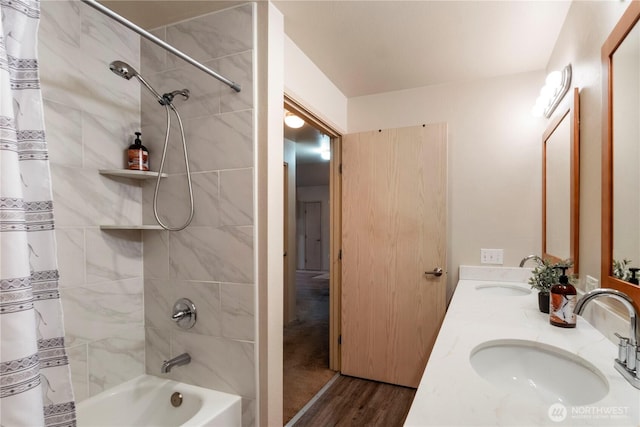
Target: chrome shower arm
{"type": "Point", "coordinates": [152, 90]}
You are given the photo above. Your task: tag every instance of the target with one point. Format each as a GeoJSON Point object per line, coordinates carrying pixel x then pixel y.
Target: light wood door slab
{"type": "Point", "coordinates": [393, 231]}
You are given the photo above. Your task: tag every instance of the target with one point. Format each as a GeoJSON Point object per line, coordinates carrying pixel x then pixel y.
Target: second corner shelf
{"type": "Point", "coordinates": [133, 174]}
{"type": "Point", "coordinates": [130, 227]}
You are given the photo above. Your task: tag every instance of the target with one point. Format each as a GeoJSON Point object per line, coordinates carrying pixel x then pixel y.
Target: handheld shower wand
{"type": "Point", "coordinates": [126, 71]}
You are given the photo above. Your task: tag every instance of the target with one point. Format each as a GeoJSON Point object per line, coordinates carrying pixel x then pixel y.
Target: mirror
{"type": "Point", "coordinates": [621, 154]}
{"type": "Point", "coordinates": [560, 184]}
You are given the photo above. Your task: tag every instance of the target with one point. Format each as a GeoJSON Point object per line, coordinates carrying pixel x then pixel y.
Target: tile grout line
{"type": "Point", "coordinates": [313, 400]}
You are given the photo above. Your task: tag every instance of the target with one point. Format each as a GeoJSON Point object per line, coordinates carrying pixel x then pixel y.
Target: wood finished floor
{"type": "Point", "coordinates": [306, 344]}
{"type": "Point", "coordinates": [349, 401]}
{"type": "Point", "coordinates": [356, 402]}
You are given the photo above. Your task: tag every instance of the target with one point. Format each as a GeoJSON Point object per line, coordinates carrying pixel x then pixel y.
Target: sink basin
{"type": "Point", "coordinates": [503, 289]}
{"type": "Point", "coordinates": [539, 372]}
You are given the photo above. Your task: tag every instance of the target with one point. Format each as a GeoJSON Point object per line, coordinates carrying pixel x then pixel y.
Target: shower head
{"type": "Point", "coordinates": [123, 69]}
{"type": "Point", "coordinates": [126, 71]}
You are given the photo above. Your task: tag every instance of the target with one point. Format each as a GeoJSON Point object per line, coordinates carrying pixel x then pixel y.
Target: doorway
{"type": "Point", "coordinates": [309, 298]}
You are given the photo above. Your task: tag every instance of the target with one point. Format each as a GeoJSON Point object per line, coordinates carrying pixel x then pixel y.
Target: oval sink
{"type": "Point", "coordinates": [539, 371]}
{"type": "Point", "coordinates": [503, 289]}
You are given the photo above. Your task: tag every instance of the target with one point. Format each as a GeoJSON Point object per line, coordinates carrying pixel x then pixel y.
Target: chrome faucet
{"type": "Point", "coordinates": [183, 359]}
{"type": "Point", "coordinates": [527, 258]}
{"type": "Point", "coordinates": [628, 361]}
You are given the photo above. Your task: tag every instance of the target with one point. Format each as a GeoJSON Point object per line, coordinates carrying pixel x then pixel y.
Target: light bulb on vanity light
{"type": "Point", "coordinates": [554, 79]}
{"type": "Point", "coordinates": [292, 120]}
{"type": "Point", "coordinates": [556, 86]}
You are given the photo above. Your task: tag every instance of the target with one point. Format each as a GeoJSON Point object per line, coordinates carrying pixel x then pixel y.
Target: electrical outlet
{"type": "Point", "coordinates": [492, 256]}
{"type": "Point", "coordinates": [590, 283]}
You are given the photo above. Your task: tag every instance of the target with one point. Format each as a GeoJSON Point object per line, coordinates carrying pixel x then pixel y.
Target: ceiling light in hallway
{"type": "Point", "coordinates": [292, 120]}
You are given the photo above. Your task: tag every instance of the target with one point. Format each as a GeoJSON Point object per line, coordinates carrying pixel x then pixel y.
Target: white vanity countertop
{"type": "Point", "coordinates": [451, 393]}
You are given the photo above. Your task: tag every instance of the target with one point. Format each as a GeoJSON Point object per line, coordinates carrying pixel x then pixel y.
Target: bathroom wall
{"type": "Point", "coordinates": [212, 261]}
{"type": "Point", "coordinates": [321, 97]}
{"type": "Point", "coordinates": [90, 116]}
{"type": "Point", "coordinates": [494, 159]}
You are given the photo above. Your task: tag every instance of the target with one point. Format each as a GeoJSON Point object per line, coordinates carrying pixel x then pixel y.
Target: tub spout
{"type": "Point", "coordinates": [183, 359]}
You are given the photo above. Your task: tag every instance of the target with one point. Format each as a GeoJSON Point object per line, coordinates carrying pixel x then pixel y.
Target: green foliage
{"type": "Point", "coordinates": [547, 274]}
{"type": "Point", "coordinates": [621, 269]}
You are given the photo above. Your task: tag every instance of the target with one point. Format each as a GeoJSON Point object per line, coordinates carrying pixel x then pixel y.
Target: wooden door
{"type": "Point", "coordinates": [393, 231]}
{"type": "Point", "coordinates": [312, 236]}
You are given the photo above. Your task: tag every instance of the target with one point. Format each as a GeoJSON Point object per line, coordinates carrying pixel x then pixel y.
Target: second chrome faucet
{"type": "Point", "coordinates": [527, 258]}
{"type": "Point", "coordinates": [628, 361]}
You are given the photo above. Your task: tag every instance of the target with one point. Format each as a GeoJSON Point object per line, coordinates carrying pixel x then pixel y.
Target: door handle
{"type": "Point", "coordinates": [436, 272]}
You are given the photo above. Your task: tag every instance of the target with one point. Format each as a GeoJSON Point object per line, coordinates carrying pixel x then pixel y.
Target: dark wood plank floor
{"type": "Point", "coordinates": [356, 402]}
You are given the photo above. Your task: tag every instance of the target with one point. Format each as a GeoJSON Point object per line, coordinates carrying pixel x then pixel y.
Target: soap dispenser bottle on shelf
{"type": "Point", "coordinates": [634, 279]}
{"type": "Point", "coordinates": [563, 297]}
{"type": "Point", "coordinates": [138, 155]}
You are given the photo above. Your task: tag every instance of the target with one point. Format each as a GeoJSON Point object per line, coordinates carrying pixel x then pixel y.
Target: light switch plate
{"type": "Point", "coordinates": [492, 256]}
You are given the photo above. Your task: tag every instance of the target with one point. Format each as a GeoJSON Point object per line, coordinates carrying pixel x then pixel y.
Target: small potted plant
{"type": "Point", "coordinates": [621, 269]}
{"type": "Point", "coordinates": [545, 275]}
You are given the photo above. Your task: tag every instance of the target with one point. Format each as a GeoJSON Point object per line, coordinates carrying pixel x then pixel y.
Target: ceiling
{"type": "Point", "coordinates": [368, 47]}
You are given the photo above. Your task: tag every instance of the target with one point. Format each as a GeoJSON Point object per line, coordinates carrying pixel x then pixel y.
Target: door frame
{"type": "Point", "coordinates": [335, 225]}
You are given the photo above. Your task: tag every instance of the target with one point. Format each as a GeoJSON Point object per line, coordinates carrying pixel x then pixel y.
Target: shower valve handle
{"type": "Point", "coordinates": [184, 313]}
{"type": "Point", "coordinates": [180, 314]}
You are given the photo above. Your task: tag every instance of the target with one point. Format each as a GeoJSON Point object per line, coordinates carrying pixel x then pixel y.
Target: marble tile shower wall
{"type": "Point", "coordinates": [211, 261]}
{"type": "Point", "coordinates": [89, 115]}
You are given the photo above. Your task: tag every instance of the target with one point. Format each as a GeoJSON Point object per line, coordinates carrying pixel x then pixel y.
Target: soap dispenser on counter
{"type": "Point", "coordinates": [563, 297]}
{"type": "Point", "coordinates": [634, 279]}
{"type": "Point", "coordinates": [138, 155]}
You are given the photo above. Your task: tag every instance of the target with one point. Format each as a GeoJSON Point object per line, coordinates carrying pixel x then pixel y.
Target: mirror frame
{"type": "Point", "coordinates": [572, 112]}
{"type": "Point", "coordinates": [628, 20]}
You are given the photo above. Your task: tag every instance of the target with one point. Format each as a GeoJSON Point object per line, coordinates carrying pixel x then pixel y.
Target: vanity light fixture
{"type": "Point", "coordinates": [292, 120]}
{"type": "Point", "coordinates": [555, 88]}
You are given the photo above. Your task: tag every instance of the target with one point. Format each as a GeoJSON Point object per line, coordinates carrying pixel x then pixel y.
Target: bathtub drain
{"type": "Point", "coordinates": [176, 399]}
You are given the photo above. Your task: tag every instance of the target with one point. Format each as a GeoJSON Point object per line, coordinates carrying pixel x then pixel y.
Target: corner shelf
{"type": "Point", "coordinates": [133, 174]}
{"type": "Point", "coordinates": [130, 227]}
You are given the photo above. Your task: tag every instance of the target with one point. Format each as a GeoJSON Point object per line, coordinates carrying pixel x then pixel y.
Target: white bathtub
{"type": "Point", "coordinates": [145, 401]}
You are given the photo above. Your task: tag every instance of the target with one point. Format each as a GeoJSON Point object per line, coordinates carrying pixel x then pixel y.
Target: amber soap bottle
{"type": "Point", "coordinates": [138, 155]}
{"type": "Point", "coordinates": [563, 302]}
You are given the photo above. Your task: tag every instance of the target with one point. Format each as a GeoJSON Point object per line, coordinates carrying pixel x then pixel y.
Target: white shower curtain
{"type": "Point", "coordinates": [35, 386]}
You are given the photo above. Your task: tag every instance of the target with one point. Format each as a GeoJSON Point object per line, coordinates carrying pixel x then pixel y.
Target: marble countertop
{"type": "Point", "coordinates": [451, 393]}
